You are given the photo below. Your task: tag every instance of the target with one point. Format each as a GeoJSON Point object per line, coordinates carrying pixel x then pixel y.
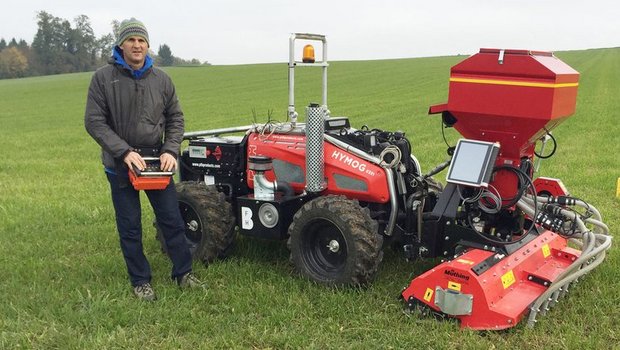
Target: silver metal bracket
{"type": "Point", "coordinates": [452, 302]}
{"type": "Point", "coordinates": [292, 63]}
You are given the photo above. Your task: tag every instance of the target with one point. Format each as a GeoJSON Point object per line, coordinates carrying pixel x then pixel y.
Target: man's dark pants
{"type": "Point", "coordinates": [126, 202]}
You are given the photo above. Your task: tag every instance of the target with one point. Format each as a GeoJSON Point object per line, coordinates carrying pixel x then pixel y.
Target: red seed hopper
{"type": "Point", "coordinates": [513, 97]}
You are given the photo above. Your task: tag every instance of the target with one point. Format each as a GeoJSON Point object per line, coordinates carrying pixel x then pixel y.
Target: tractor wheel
{"type": "Point", "coordinates": [209, 222]}
{"type": "Point", "coordinates": [334, 241]}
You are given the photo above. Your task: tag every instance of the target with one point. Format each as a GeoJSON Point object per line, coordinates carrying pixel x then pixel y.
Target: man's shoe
{"type": "Point", "coordinates": [144, 292]}
{"type": "Point", "coordinates": [189, 280]}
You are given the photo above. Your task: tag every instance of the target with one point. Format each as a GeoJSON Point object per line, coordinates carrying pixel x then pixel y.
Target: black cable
{"type": "Point", "coordinates": [565, 203]}
{"type": "Point", "coordinates": [494, 241]}
{"type": "Point", "coordinates": [572, 231]}
{"type": "Point", "coordinates": [443, 134]}
{"type": "Point", "coordinates": [588, 214]}
{"type": "Point", "coordinates": [522, 176]}
{"type": "Point", "coordinates": [555, 147]}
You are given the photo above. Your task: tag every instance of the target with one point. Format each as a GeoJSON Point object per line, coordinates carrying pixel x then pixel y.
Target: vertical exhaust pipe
{"type": "Point", "coordinates": [315, 165]}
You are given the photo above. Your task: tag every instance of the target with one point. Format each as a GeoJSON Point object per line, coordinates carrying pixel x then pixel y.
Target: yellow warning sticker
{"type": "Point", "coordinates": [454, 286]}
{"type": "Point", "coordinates": [466, 262]}
{"type": "Point", "coordinates": [428, 295]}
{"type": "Point", "coordinates": [546, 250]}
{"type": "Point", "coordinates": [508, 279]}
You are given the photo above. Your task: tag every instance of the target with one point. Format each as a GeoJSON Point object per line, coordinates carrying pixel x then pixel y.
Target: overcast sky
{"type": "Point", "coordinates": [246, 31]}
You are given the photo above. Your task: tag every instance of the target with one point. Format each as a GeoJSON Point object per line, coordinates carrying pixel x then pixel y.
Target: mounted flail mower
{"type": "Point", "coordinates": [510, 244]}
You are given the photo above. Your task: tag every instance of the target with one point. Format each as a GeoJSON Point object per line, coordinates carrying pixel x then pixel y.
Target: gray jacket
{"type": "Point", "coordinates": [123, 113]}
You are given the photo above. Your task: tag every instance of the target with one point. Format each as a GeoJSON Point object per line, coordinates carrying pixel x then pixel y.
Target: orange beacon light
{"type": "Point", "coordinates": [308, 56]}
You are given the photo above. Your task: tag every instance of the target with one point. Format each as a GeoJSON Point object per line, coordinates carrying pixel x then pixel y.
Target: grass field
{"type": "Point", "coordinates": [62, 278]}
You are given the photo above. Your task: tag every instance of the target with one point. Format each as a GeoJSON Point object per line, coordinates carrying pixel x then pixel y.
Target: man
{"type": "Point", "coordinates": [132, 111]}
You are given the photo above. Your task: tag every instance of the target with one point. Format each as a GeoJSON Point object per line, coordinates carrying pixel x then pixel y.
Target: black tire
{"type": "Point", "coordinates": [209, 222]}
{"type": "Point", "coordinates": [333, 241]}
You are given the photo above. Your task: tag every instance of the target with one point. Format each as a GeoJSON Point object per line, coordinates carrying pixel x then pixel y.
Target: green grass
{"type": "Point", "coordinates": [63, 282]}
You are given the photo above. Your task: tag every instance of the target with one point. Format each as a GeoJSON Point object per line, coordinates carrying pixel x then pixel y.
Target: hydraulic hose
{"type": "Point", "coordinates": [593, 243]}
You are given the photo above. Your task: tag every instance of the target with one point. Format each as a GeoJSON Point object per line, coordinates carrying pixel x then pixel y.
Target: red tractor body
{"type": "Point", "coordinates": [345, 173]}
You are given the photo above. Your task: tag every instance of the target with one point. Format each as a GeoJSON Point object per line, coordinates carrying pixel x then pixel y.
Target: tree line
{"type": "Point", "coordinates": [61, 46]}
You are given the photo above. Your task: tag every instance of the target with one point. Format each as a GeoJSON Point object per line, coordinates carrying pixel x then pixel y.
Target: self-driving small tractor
{"type": "Point", "coordinates": [339, 194]}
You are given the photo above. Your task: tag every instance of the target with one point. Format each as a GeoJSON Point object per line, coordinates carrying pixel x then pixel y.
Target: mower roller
{"type": "Point", "coordinates": [510, 244]}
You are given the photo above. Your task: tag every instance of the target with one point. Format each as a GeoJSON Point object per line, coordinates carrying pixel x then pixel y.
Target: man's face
{"type": "Point", "coordinates": [134, 50]}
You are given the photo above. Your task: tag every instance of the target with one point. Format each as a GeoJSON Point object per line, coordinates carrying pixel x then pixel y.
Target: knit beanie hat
{"type": "Point", "coordinates": [131, 27]}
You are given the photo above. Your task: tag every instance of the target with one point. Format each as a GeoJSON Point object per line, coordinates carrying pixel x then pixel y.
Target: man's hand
{"type": "Point", "coordinates": [134, 158]}
{"type": "Point", "coordinates": [167, 162]}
